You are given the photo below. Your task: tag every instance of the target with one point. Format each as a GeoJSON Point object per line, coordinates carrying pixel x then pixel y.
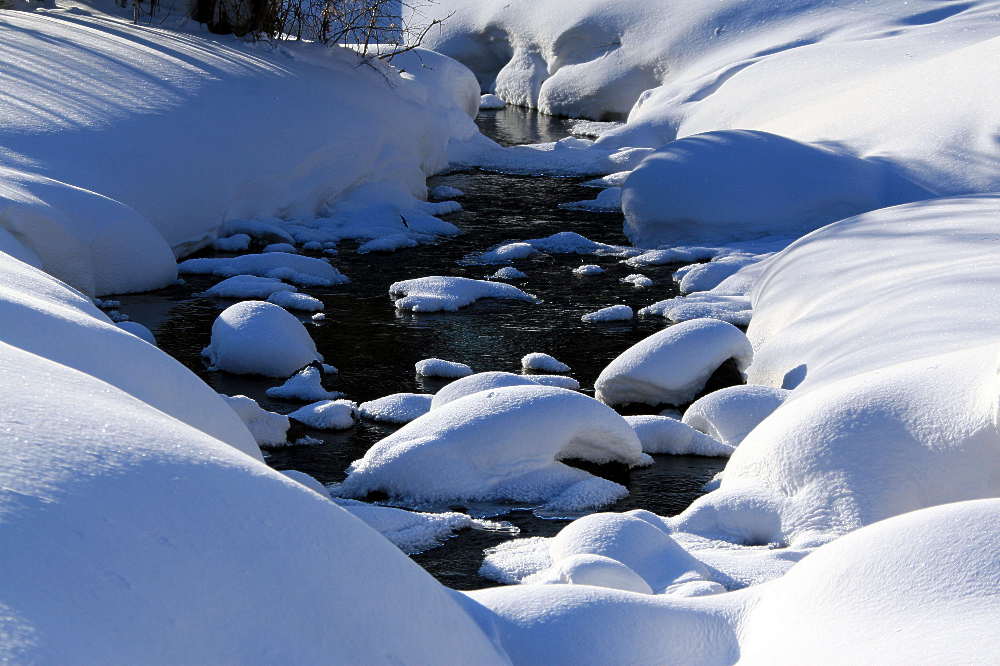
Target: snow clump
{"type": "Point", "coordinates": [301, 270]}
{"type": "Point", "coordinates": [397, 407]}
{"type": "Point", "coordinates": [327, 415]}
{"type": "Point", "coordinates": [255, 337]}
{"type": "Point", "coordinates": [436, 367]}
{"type": "Point", "coordinates": [305, 385]}
{"type": "Point", "coordinates": [268, 428]}
{"type": "Point", "coordinates": [610, 313]}
{"type": "Point", "coordinates": [437, 293]}
{"type": "Point", "coordinates": [543, 362]}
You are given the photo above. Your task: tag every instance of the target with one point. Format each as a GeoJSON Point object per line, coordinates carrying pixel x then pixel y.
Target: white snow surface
{"type": "Point", "coordinates": [247, 286]}
{"type": "Point", "coordinates": [397, 407]}
{"type": "Point", "coordinates": [671, 366]}
{"type": "Point", "coordinates": [268, 428]}
{"type": "Point", "coordinates": [305, 385]}
{"type": "Point", "coordinates": [588, 269]}
{"type": "Point", "coordinates": [662, 434]}
{"type": "Point", "coordinates": [291, 300]}
{"type": "Point", "coordinates": [501, 445]}
{"type": "Point", "coordinates": [484, 381]}
{"type": "Point", "coordinates": [256, 337]}
{"type": "Point", "coordinates": [610, 313]}
{"type": "Point", "coordinates": [509, 273]}
{"type": "Point", "coordinates": [729, 414]}
{"type": "Point", "coordinates": [306, 271]}
{"type": "Point", "coordinates": [327, 415]}
{"type": "Point", "coordinates": [543, 362]}
{"type": "Point", "coordinates": [138, 330]}
{"type": "Point", "coordinates": [436, 367]}
{"type": "Point", "coordinates": [490, 101]}
{"type": "Point", "coordinates": [437, 293]}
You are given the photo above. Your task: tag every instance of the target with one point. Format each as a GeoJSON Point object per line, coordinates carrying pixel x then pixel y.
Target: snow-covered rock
{"type": "Point", "coordinates": [735, 309]}
{"type": "Point", "coordinates": [673, 365]}
{"type": "Point", "coordinates": [543, 362]}
{"type": "Point", "coordinates": [247, 286]}
{"type": "Point", "coordinates": [662, 434]}
{"type": "Point", "coordinates": [255, 337]}
{"type": "Point", "coordinates": [234, 243]}
{"type": "Point", "coordinates": [501, 445]}
{"type": "Point", "coordinates": [561, 381]}
{"type": "Point", "coordinates": [268, 428]}
{"type": "Point", "coordinates": [138, 330]}
{"type": "Point", "coordinates": [608, 201]}
{"type": "Point", "coordinates": [305, 385]}
{"type": "Point", "coordinates": [306, 271]}
{"type": "Point", "coordinates": [588, 269]}
{"type": "Point", "coordinates": [280, 247]}
{"type": "Point", "coordinates": [509, 273]}
{"type": "Point", "coordinates": [610, 313]}
{"type": "Point", "coordinates": [490, 101]}
{"type": "Point", "coordinates": [436, 293]}
{"type": "Point", "coordinates": [436, 367]}
{"type": "Point", "coordinates": [397, 407]}
{"type": "Point", "coordinates": [291, 300]}
{"type": "Point", "coordinates": [445, 192]}
{"type": "Point", "coordinates": [728, 415]}
{"type": "Point", "coordinates": [327, 415]}
{"type": "Point", "coordinates": [638, 280]}
{"type": "Point", "coordinates": [507, 252]}
{"type": "Point", "coordinates": [484, 381]}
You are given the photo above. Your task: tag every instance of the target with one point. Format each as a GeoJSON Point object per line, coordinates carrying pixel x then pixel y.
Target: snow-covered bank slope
{"type": "Point", "coordinates": [183, 131]}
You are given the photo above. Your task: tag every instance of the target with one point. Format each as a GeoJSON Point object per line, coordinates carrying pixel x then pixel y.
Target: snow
{"type": "Point", "coordinates": [672, 366]}
{"type": "Point", "coordinates": [543, 362]}
{"type": "Point", "coordinates": [445, 192]}
{"type": "Point", "coordinates": [138, 330]}
{"type": "Point", "coordinates": [490, 101]}
{"type": "Point", "coordinates": [255, 337]}
{"type": "Point", "coordinates": [389, 243]}
{"type": "Point", "coordinates": [280, 247]}
{"type": "Point", "coordinates": [588, 269]}
{"type": "Point", "coordinates": [270, 230]}
{"type": "Point", "coordinates": [291, 300]}
{"type": "Point", "coordinates": [509, 273]}
{"type": "Point", "coordinates": [729, 414]}
{"type": "Point", "coordinates": [703, 277]}
{"type": "Point", "coordinates": [234, 243]}
{"type": "Point", "coordinates": [327, 415]}
{"type": "Point", "coordinates": [563, 242]}
{"type": "Point", "coordinates": [436, 293]}
{"type": "Point", "coordinates": [305, 271]}
{"type": "Point", "coordinates": [507, 252]}
{"type": "Point", "coordinates": [662, 434]}
{"type": "Point", "coordinates": [736, 310]}
{"type": "Point", "coordinates": [610, 313]}
{"type": "Point", "coordinates": [267, 428]}
{"type": "Point", "coordinates": [397, 407]}
{"type": "Point", "coordinates": [305, 385]}
{"type": "Point", "coordinates": [608, 201]}
{"type": "Point", "coordinates": [555, 380]}
{"type": "Point", "coordinates": [436, 367]}
{"type": "Point", "coordinates": [501, 445]}
{"type": "Point", "coordinates": [247, 286]}
{"type": "Point", "coordinates": [638, 280]}
{"type": "Point", "coordinates": [484, 381]}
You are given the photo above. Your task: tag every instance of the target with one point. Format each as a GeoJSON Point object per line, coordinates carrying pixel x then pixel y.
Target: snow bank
{"type": "Point", "coordinates": [662, 434]}
{"type": "Point", "coordinates": [397, 407]}
{"type": "Point", "coordinates": [543, 362]}
{"type": "Point", "coordinates": [327, 415]}
{"type": "Point", "coordinates": [673, 365]}
{"type": "Point", "coordinates": [268, 428]}
{"type": "Point", "coordinates": [107, 87]}
{"type": "Point", "coordinates": [729, 414]}
{"type": "Point", "coordinates": [305, 385]}
{"type": "Point", "coordinates": [610, 313]}
{"type": "Point", "coordinates": [306, 271]}
{"type": "Point", "coordinates": [501, 445]}
{"type": "Point", "coordinates": [255, 337]}
{"type": "Point", "coordinates": [436, 293]}
{"type": "Point", "coordinates": [436, 367]}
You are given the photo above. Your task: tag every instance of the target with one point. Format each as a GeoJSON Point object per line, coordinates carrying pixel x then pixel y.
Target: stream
{"type": "Point", "coordinates": [375, 347]}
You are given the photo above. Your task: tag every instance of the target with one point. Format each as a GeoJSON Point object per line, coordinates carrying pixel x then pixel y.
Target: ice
{"type": "Point", "coordinates": [436, 367]}
{"type": "Point", "coordinates": [247, 286]}
{"type": "Point", "coordinates": [543, 362]}
{"type": "Point", "coordinates": [662, 434]}
{"type": "Point", "coordinates": [729, 414]}
{"type": "Point", "coordinates": [255, 337]}
{"type": "Point", "coordinates": [268, 428]}
{"type": "Point", "coordinates": [445, 192]}
{"type": "Point", "coordinates": [509, 273]}
{"type": "Point", "coordinates": [295, 301]}
{"type": "Point", "coordinates": [234, 243]}
{"type": "Point", "coordinates": [491, 101]}
{"type": "Point", "coordinates": [501, 445]}
{"type": "Point", "coordinates": [138, 330]}
{"type": "Point", "coordinates": [280, 247]}
{"type": "Point", "coordinates": [610, 313]}
{"type": "Point", "coordinates": [305, 385]}
{"type": "Point", "coordinates": [671, 366]}
{"type": "Point", "coordinates": [305, 271]}
{"type": "Point", "coordinates": [637, 280]}
{"type": "Point", "coordinates": [397, 407]}
{"type": "Point", "coordinates": [588, 269]}
{"type": "Point", "coordinates": [327, 415]}
{"type": "Point", "coordinates": [436, 293]}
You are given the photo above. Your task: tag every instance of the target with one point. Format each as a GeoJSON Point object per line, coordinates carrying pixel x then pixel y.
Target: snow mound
{"type": "Point", "coordinates": [234, 243]}
{"type": "Point", "coordinates": [490, 101]}
{"type": "Point", "coordinates": [397, 407]}
{"type": "Point", "coordinates": [484, 381]}
{"type": "Point", "coordinates": [608, 201]}
{"type": "Point", "coordinates": [509, 273]}
{"type": "Point", "coordinates": [436, 293]}
{"type": "Point", "coordinates": [555, 380]}
{"type": "Point", "coordinates": [247, 286]}
{"type": "Point", "coordinates": [327, 415]}
{"type": "Point", "coordinates": [543, 362]}
{"type": "Point", "coordinates": [390, 243]}
{"type": "Point", "coordinates": [436, 367]}
{"type": "Point", "coordinates": [610, 313]}
{"type": "Point", "coordinates": [305, 271]}
{"type": "Point", "coordinates": [703, 277]}
{"type": "Point", "coordinates": [280, 247]}
{"type": "Point", "coordinates": [596, 570]}
{"type": "Point", "coordinates": [268, 428]}
{"type": "Point", "coordinates": [138, 330]}
{"type": "Point", "coordinates": [673, 365]}
{"type": "Point", "coordinates": [662, 434]}
{"type": "Point", "coordinates": [588, 269]}
{"type": "Point", "coordinates": [411, 531]}
{"type": "Point", "coordinates": [305, 385]}
{"type": "Point", "coordinates": [736, 310]}
{"type": "Point", "coordinates": [728, 415]}
{"type": "Point", "coordinates": [445, 192]}
{"type": "Point", "coordinates": [295, 301]}
{"type": "Point", "coordinates": [501, 445]}
{"type": "Point", "coordinates": [638, 280]}
{"type": "Point", "coordinates": [259, 338]}
{"type": "Point", "coordinates": [506, 253]}
{"type": "Point", "coordinates": [737, 184]}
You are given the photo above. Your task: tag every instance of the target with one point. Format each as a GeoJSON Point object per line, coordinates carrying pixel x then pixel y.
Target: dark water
{"type": "Point", "coordinates": [375, 347]}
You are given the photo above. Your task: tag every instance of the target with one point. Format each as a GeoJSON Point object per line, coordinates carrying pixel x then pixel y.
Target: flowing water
{"type": "Point", "coordinates": [375, 347]}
